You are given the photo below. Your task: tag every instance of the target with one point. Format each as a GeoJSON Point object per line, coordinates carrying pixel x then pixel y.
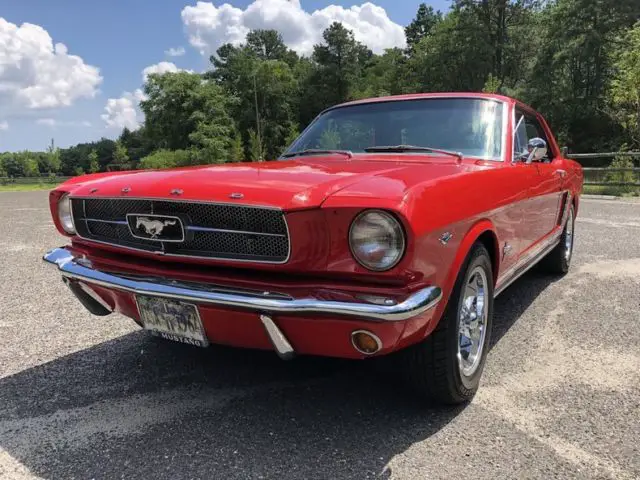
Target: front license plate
{"type": "Point", "coordinates": [172, 319]}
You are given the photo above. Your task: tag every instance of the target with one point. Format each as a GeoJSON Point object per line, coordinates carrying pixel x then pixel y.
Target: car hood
{"type": "Point", "coordinates": [292, 184]}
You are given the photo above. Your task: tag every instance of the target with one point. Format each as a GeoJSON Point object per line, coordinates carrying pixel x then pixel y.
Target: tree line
{"type": "Point", "coordinates": [575, 61]}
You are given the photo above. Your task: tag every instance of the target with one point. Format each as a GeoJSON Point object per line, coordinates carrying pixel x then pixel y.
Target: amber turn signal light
{"type": "Point", "coordinates": [365, 342]}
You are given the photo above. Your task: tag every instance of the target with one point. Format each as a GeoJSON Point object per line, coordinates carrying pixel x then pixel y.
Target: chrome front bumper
{"type": "Point", "coordinates": [79, 268]}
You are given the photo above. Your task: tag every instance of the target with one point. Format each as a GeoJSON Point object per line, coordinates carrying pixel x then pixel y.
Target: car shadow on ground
{"type": "Point", "coordinates": [138, 407]}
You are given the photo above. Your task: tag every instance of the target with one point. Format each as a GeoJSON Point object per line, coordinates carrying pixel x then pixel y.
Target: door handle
{"type": "Point", "coordinates": [562, 173]}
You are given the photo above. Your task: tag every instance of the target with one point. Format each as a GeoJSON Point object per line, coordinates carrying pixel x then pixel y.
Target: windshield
{"type": "Point", "coordinates": [472, 126]}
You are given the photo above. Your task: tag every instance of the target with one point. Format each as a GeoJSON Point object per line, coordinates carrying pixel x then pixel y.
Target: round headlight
{"type": "Point", "coordinates": [377, 240]}
{"type": "Point", "coordinates": [64, 215]}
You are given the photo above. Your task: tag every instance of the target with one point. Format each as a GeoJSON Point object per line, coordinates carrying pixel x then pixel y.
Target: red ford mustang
{"type": "Point", "coordinates": [390, 224]}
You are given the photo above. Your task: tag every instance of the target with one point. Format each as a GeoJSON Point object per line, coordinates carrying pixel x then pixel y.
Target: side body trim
{"type": "Point", "coordinates": [532, 257]}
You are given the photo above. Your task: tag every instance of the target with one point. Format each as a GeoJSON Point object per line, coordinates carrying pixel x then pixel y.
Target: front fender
{"type": "Point", "coordinates": [482, 229]}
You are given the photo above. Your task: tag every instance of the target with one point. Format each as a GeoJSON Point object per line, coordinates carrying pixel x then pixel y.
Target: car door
{"type": "Point", "coordinates": [545, 187]}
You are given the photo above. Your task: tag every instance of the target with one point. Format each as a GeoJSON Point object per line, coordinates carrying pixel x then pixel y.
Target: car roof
{"type": "Point", "coordinates": [418, 96]}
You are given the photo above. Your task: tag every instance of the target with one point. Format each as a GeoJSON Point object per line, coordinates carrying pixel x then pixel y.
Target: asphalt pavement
{"type": "Point", "coordinates": [95, 397]}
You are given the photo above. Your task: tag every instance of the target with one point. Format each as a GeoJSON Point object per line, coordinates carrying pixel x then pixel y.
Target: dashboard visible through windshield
{"type": "Point", "coordinates": [471, 126]}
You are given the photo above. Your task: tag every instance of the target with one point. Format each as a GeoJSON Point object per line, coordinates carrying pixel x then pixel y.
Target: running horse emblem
{"type": "Point", "coordinates": [153, 228]}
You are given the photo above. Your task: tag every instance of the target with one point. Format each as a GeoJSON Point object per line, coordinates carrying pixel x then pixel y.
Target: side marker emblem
{"type": "Point", "coordinates": [445, 237]}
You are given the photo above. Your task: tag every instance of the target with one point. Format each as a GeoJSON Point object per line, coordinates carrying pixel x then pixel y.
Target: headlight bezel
{"type": "Point", "coordinates": [66, 223]}
{"type": "Point", "coordinates": [396, 225]}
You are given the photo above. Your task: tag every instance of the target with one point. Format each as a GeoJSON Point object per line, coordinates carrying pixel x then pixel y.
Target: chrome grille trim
{"type": "Point", "coordinates": [157, 247]}
{"type": "Point", "coordinates": [222, 230]}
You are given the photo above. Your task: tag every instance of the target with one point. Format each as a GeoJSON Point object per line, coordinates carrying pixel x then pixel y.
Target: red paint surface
{"type": "Point", "coordinates": [320, 195]}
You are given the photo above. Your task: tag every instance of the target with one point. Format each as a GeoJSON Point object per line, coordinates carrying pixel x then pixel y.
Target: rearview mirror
{"type": "Point", "coordinates": [537, 148]}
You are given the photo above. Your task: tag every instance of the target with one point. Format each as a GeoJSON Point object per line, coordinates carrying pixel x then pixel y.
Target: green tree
{"type": "Point", "coordinates": [120, 157]}
{"type": "Point", "coordinates": [92, 158]}
{"type": "Point", "coordinates": [137, 143]}
{"type": "Point", "coordinates": [625, 85]}
{"type": "Point", "coordinates": [182, 110]}
{"type": "Point", "coordinates": [268, 45]}
{"type": "Point", "coordinates": [572, 70]}
{"type": "Point", "coordinates": [166, 159]}
{"type": "Point", "coordinates": [340, 61]}
{"type": "Point", "coordinates": [453, 57]}
{"type": "Point", "coordinates": [504, 30]}
{"type": "Point", "coordinates": [492, 85]}
{"type": "Point", "coordinates": [236, 153]}
{"type": "Point", "coordinates": [51, 161]}
{"type": "Point", "coordinates": [622, 177]}
{"type": "Point", "coordinates": [256, 149]}
{"type": "Point", "coordinates": [292, 135]}
{"type": "Point", "coordinates": [385, 74]}
{"type": "Point", "coordinates": [260, 74]}
{"type": "Point", "coordinates": [11, 165]}
{"type": "Point", "coordinates": [421, 26]}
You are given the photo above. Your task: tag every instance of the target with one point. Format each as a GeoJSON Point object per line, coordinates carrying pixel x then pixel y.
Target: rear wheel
{"type": "Point", "coordinates": [559, 259]}
{"type": "Point", "coordinates": [446, 367]}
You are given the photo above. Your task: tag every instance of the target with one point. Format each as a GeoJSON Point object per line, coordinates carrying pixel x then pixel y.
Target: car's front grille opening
{"type": "Point", "coordinates": [212, 230]}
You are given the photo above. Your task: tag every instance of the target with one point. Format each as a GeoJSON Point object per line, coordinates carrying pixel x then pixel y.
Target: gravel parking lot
{"type": "Point", "coordinates": [90, 397]}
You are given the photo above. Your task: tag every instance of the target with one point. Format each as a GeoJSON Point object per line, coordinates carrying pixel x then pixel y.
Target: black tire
{"type": "Point", "coordinates": [432, 366]}
{"type": "Point", "coordinates": [557, 261]}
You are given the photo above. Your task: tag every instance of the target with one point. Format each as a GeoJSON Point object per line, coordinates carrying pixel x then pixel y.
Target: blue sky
{"type": "Point", "coordinates": [46, 94]}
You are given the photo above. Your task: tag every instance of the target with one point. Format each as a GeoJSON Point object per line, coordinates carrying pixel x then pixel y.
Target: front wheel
{"type": "Point", "coordinates": [446, 367]}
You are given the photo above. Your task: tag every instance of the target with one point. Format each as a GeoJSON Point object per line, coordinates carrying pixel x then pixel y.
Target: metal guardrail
{"type": "Point", "coordinates": [608, 176]}
{"type": "Point", "coordinates": [578, 156]}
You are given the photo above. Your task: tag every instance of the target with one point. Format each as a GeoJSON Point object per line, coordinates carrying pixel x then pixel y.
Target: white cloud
{"type": "Point", "coordinates": [208, 26]}
{"type": "Point", "coordinates": [4, 125]}
{"type": "Point", "coordinates": [52, 122]}
{"type": "Point", "coordinates": [161, 68]}
{"type": "Point", "coordinates": [175, 52]}
{"type": "Point", "coordinates": [36, 74]}
{"type": "Point", "coordinates": [124, 111]}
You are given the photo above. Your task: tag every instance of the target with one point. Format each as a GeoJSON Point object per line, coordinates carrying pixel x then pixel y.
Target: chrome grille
{"type": "Point", "coordinates": [212, 230]}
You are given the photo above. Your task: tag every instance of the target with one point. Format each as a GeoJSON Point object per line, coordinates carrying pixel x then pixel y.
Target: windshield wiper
{"type": "Point", "coordinates": [315, 151]}
{"type": "Point", "coordinates": [413, 148]}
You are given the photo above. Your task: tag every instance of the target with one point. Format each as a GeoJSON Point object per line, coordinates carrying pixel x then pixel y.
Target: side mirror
{"type": "Point", "coordinates": [537, 148]}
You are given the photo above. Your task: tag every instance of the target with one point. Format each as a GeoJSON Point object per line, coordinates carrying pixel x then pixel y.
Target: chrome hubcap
{"type": "Point", "coordinates": [472, 323]}
{"type": "Point", "coordinates": [568, 237]}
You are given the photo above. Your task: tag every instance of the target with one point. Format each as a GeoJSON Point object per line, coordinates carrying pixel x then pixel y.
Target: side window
{"type": "Point", "coordinates": [527, 127]}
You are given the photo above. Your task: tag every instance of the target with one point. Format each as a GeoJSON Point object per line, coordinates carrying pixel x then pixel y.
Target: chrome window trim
{"type": "Point", "coordinates": [513, 134]}
{"type": "Point", "coordinates": [177, 255]}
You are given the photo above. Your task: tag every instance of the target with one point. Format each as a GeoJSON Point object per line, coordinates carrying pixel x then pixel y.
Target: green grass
{"type": "Point", "coordinates": [612, 190]}
{"type": "Point", "coordinates": [26, 187]}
